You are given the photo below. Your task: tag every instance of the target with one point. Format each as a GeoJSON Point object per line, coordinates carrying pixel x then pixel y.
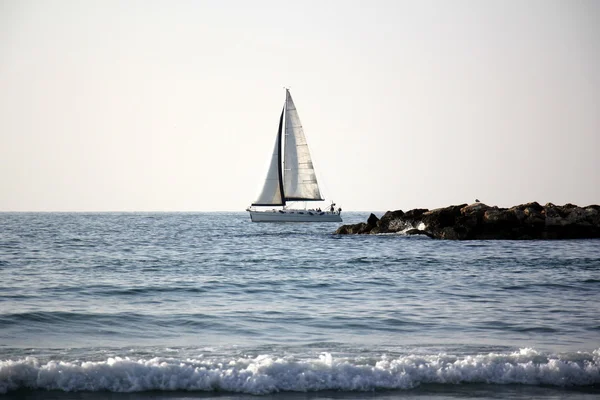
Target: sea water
{"type": "Point", "coordinates": [211, 305]}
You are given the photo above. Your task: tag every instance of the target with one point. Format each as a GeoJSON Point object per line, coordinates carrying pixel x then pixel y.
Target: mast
{"type": "Point", "coordinates": [280, 155]}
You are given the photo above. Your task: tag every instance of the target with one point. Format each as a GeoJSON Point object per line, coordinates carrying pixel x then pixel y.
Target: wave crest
{"type": "Point", "coordinates": [269, 374]}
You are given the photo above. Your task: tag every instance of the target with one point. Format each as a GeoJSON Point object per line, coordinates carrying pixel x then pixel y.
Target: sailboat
{"type": "Point", "coordinates": [291, 177]}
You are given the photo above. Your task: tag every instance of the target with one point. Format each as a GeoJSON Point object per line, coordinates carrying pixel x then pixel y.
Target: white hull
{"type": "Point", "coordinates": [294, 216]}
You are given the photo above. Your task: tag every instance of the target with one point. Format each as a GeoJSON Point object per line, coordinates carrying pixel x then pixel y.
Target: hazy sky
{"type": "Point", "coordinates": [174, 105]}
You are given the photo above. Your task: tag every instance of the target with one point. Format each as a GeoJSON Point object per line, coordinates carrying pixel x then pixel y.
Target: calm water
{"type": "Point", "coordinates": [210, 305]}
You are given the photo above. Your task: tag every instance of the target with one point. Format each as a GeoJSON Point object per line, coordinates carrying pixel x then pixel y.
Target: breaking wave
{"type": "Point", "coordinates": [267, 374]}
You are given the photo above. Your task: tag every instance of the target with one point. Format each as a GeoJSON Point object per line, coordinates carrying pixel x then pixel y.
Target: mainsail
{"type": "Point", "coordinates": [299, 179]}
{"type": "Point", "coordinates": [293, 179]}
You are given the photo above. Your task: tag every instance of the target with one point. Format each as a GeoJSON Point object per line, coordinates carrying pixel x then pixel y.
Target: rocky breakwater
{"type": "Point", "coordinates": [479, 221]}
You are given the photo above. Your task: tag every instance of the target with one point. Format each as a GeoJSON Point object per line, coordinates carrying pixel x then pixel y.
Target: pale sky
{"type": "Point", "coordinates": [174, 105]}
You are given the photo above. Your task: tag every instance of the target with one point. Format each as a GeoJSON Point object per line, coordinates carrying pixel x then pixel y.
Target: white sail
{"type": "Point", "coordinates": [271, 192]}
{"type": "Point", "coordinates": [300, 181]}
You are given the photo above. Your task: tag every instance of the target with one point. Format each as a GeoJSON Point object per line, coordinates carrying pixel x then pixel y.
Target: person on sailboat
{"type": "Point", "coordinates": [332, 208]}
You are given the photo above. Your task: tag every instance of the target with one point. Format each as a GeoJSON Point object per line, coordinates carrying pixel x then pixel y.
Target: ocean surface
{"type": "Point", "coordinates": [213, 306]}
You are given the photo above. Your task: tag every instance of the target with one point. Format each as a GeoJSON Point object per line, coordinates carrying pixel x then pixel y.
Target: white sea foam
{"type": "Point", "coordinates": [420, 226]}
{"type": "Point", "coordinates": [268, 374]}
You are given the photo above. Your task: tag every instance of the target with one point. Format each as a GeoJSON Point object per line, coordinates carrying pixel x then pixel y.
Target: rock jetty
{"type": "Point", "coordinates": [479, 221]}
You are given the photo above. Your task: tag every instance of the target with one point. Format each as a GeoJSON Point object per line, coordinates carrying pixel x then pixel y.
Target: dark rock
{"type": "Point", "coordinates": [372, 220]}
{"type": "Point", "coordinates": [343, 230]}
{"type": "Point", "coordinates": [534, 205]}
{"type": "Point", "coordinates": [443, 217]}
{"type": "Point", "coordinates": [499, 217]}
{"type": "Point", "coordinates": [418, 232]}
{"type": "Point", "coordinates": [359, 228]}
{"type": "Point", "coordinates": [391, 222]}
{"type": "Point", "coordinates": [416, 213]}
{"type": "Point", "coordinates": [480, 221]}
